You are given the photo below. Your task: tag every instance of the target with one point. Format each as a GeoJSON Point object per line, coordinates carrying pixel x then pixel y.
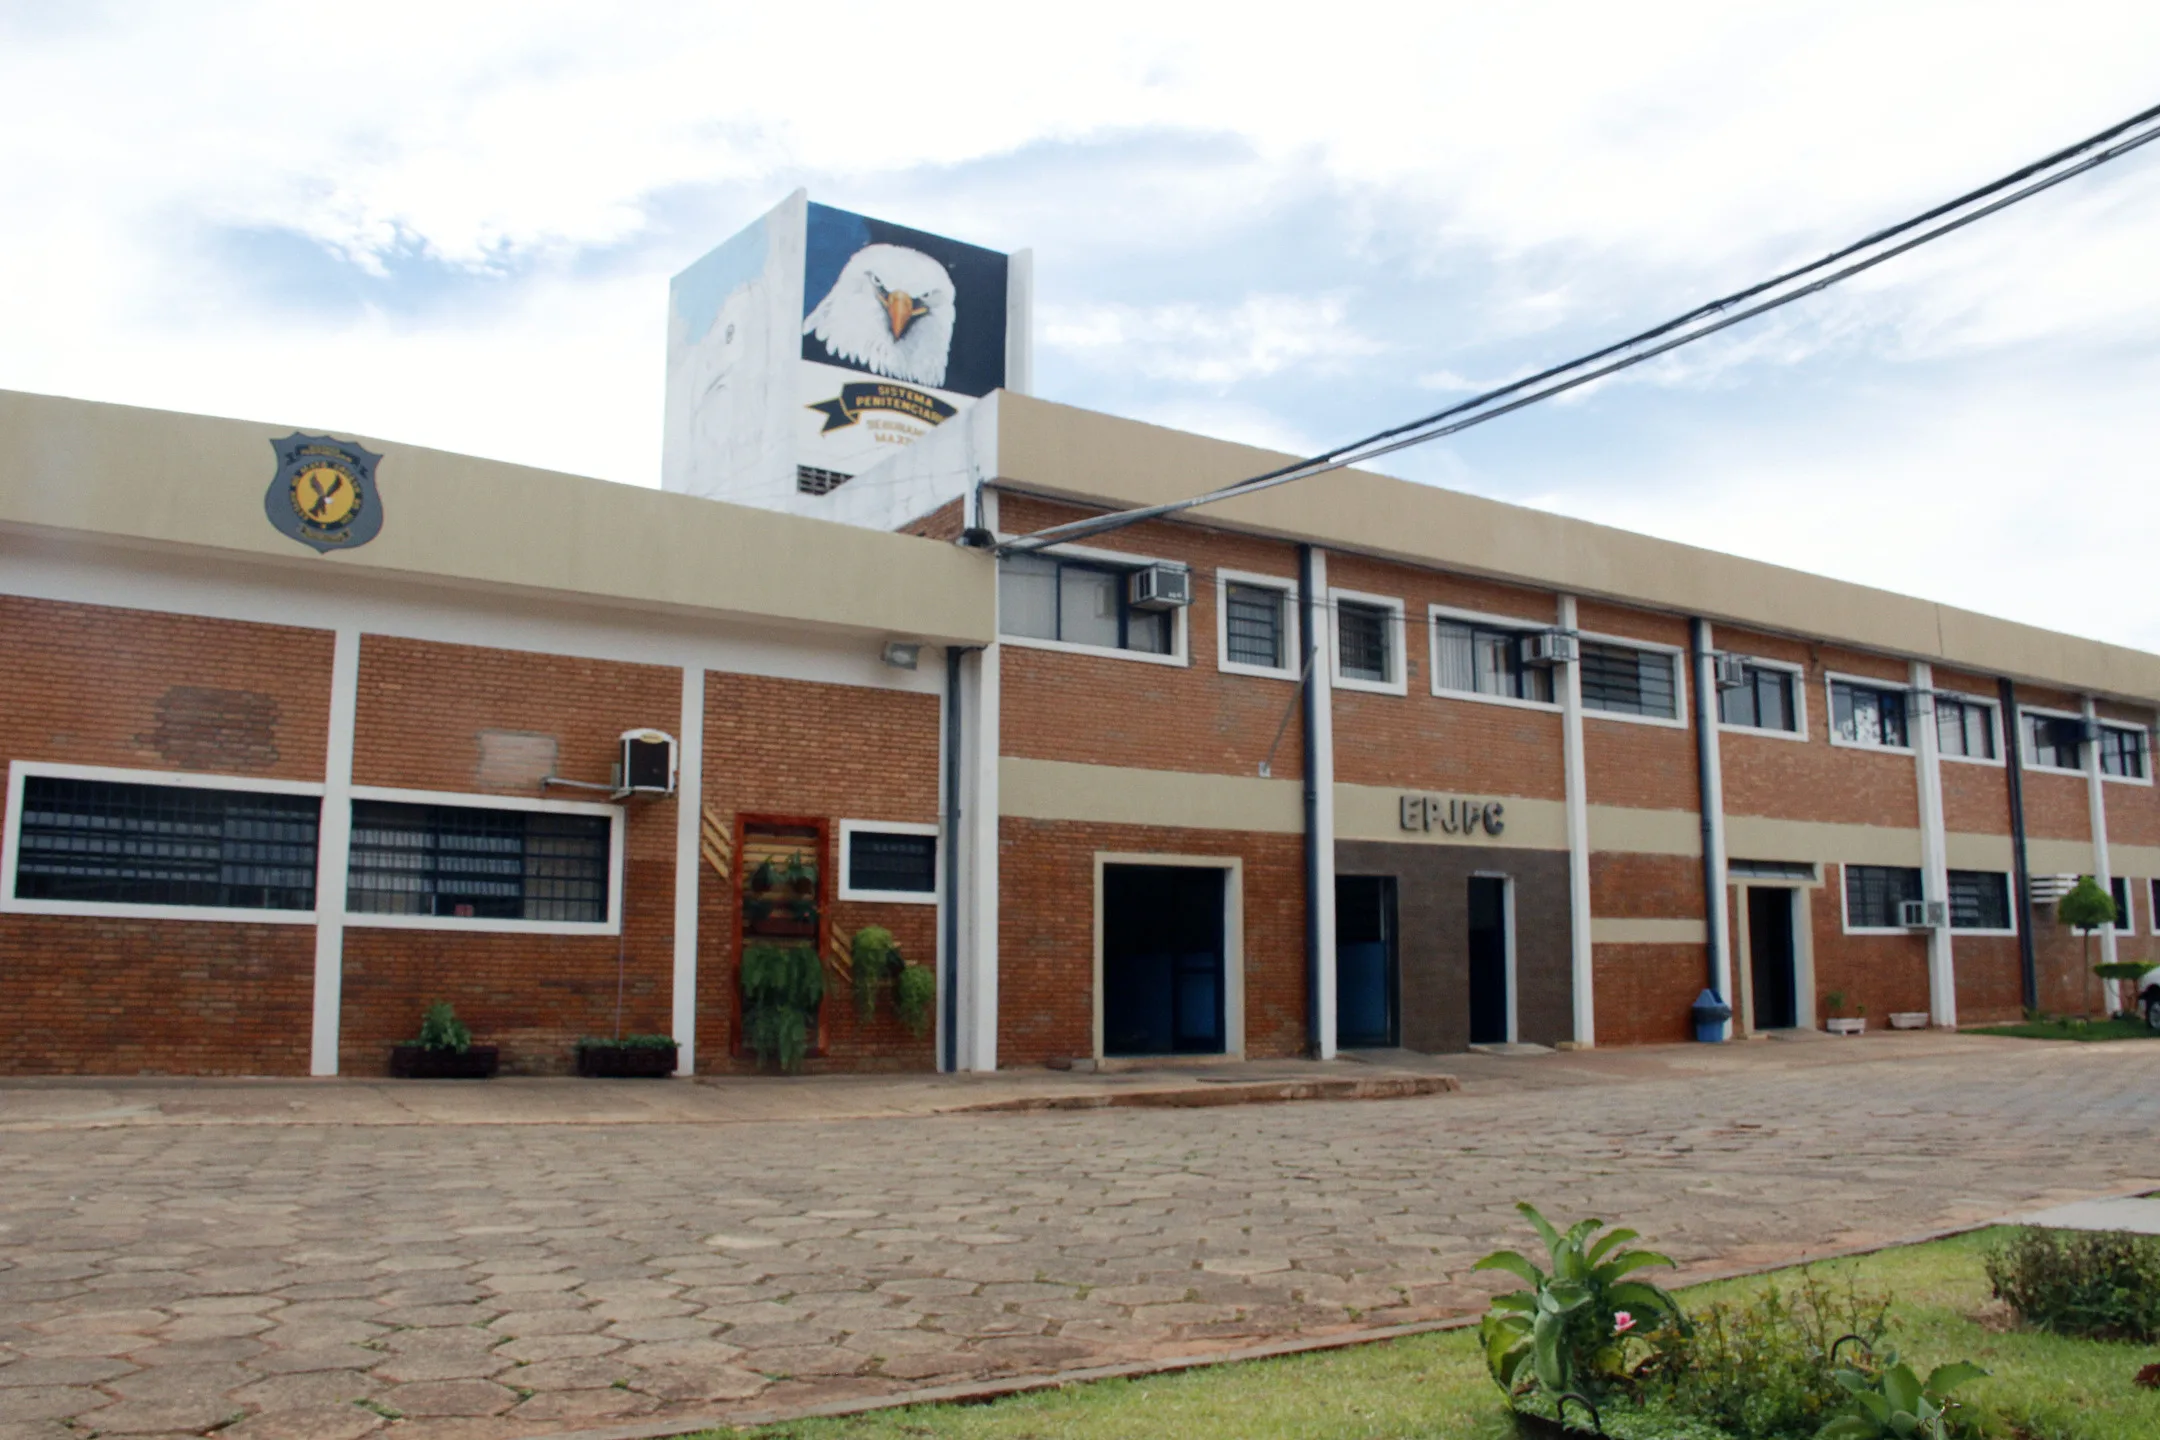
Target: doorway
{"type": "Point", "coordinates": [1489, 946]}
{"type": "Point", "coordinates": [1367, 981]}
{"type": "Point", "coordinates": [1162, 959]}
{"type": "Point", "coordinates": [1772, 972]}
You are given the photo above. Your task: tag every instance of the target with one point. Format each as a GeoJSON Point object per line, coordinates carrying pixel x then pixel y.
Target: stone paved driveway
{"type": "Point", "coordinates": [481, 1281]}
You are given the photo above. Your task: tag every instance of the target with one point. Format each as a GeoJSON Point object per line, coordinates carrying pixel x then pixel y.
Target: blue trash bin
{"type": "Point", "coordinates": [1710, 1015]}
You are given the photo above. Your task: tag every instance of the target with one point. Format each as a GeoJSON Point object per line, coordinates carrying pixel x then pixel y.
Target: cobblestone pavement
{"type": "Point", "coordinates": [474, 1281]}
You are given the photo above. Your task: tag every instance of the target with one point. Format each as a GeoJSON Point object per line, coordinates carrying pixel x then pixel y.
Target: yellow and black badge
{"type": "Point", "coordinates": [324, 494]}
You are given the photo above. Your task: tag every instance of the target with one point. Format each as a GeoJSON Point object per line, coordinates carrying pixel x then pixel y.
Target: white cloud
{"type": "Point", "coordinates": [1261, 335]}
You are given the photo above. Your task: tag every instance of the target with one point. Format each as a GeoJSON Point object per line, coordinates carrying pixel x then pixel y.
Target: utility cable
{"type": "Point", "coordinates": [2127, 135]}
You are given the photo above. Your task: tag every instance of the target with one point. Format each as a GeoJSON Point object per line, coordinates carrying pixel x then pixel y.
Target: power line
{"type": "Point", "coordinates": [1696, 324]}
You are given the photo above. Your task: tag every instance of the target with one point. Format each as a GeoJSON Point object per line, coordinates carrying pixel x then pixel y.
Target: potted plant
{"type": "Point", "coordinates": [627, 1057]}
{"type": "Point", "coordinates": [876, 964]}
{"type": "Point", "coordinates": [1842, 1024]}
{"type": "Point", "coordinates": [443, 1051]}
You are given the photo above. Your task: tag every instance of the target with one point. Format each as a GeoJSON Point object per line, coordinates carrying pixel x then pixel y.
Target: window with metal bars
{"type": "Point", "coordinates": [1362, 634]}
{"type": "Point", "coordinates": [1253, 628]}
{"type": "Point", "coordinates": [891, 861]}
{"type": "Point", "coordinates": [810, 480]}
{"type": "Point", "coordinates": [1764, 701]}
{"type": "Point", "coordinates": [1627, 681]}
{"type": "Point", "coordinates": [1979, 900]}
{"type": "Point", "coordinates": [469, 862]}
{"type": "Point", "coordinates": [122, 843]}
{"type": "Point", "coordinates": [1873, 893]}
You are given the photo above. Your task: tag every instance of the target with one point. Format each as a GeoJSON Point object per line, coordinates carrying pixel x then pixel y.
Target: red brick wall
{"type": "Point", "coordinates": [826, 753]}
{"type": "Point", "coordinates": [1192, 717]}
{"type": "Point", "coordinates": [1990, 983]}
{"type": "Point", "coordinates": [943, 523]}
{"type": "Point", "coordinates": [1814, 780]}
{"type": "Point", "coordinates": [422, 710]}
{"type": "Point", "coordinates": [1644, 991]}
{"type": "Point", "coordinates": [99, 685]}
{"type": "Point", "coordinates": [1645, 887]}
{"type": "Point", "coordinates": [1882, 972]}
{"type": "Point", "coordinates": [1046, 932]}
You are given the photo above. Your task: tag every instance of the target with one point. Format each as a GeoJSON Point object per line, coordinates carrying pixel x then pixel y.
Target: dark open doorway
{"type": "Point", "coordinates": [1771, 967]}
{"type": "Point", "coordinates": [1366, 984]}
{"type": "Point", "coordinates": [1162, 960]}
{"type": "Point", "coordinates": [1488, 960]}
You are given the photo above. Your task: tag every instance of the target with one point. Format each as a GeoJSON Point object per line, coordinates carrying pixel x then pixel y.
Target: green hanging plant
{"type": "Point", "coordinates": [781, 988]}
{"type": "Point", "coordinates": [875, 956]}
{"type": "Point", "coordinates": [914, 993]}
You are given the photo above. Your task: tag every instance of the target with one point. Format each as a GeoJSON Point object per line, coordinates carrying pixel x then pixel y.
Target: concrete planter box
{"type": "Point", "coordinates": [416, 1062]}
{"type": "Point", "coordinates": [1846, 1025]}
{"type": "Point", "coordinates": [1908, 1019]}
{"type": "Point", "coordinates": [626, 1062]}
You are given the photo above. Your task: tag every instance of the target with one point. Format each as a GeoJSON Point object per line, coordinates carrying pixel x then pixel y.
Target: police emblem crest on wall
{"type": "Point", "coordinates": [324, 493]}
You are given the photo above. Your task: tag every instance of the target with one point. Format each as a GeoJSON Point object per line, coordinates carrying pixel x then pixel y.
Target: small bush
{"type": "Point", "coordinates": [2093, 1284]}
{"type": "Point", "coordinates": [914, 991]}
{"type": "Point", "coordinates": [440, 1029]}
{"type": "Point", "coordinates": [1762, 1368]}
{"type": "Point", "coordinates": [627, 1042]}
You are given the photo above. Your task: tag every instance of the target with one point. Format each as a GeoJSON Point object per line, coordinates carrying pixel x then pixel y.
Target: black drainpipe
{"type": "Point", "coordinates": [1705, 717]}
{"type": "Point", "coordinates": [1308, 619]}
{"type": "Point", "coordinates": [2013, 727]}
{"type": "Point", "coordinates": [949, 982]}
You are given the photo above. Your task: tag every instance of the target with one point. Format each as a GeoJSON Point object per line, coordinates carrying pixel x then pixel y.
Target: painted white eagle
{"type": "Point", "coordinates": [890, 312]}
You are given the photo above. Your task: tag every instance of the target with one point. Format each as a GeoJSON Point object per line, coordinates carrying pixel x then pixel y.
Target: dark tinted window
{"type": "Point", "coordinates": [2122, 752]}
{"type": "Point", "coordinates": [1979, 900]}
{"type": "Point", "coordinates": [468, 862]}
{"type": "Point", "coordinates": [165, 845]}
{"type": "Point", "coordinates": [2055, 740]}
{"type": "Point", "coordinates": [1872, 894]}
{"type": "Point", "coordinates": [1628, 681]}
{"type": "Point", "coordinates": [1764, 702]}
{"type": "Point", "coordinates": [883, 860]}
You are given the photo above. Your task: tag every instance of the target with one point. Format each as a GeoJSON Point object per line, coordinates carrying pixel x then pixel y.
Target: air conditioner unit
{"type": "Point", "coordinates": [1549, 647]}
{"type": "Point", "coordinates": [1730, 671]}
{"type": "Point", "coordinates": [2047, 889]}
{"type": "Point", "coordinates": [1923, 914]}
{"type": "Point", "coordinates": [1159, 587]}
{"type": "Point", "coordinates": [648, 763]}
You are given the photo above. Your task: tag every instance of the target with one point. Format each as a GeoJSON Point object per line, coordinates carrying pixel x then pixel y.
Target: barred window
{"type": "Point", "coordinates": [1253, 625]}
{"type": "Point", "coordinates": [1362, 631]}
{"type": "Point", "coordinates": [1873, 893]}
{"type": "Point", "coordinates": [891, 861]}
{"type": "Point", "coordinates": [1979, 900]}
{"type": "Point", "coordinates": [2122, 752]}
{"type": "Point", "coordinates": [1964, 727]}
{"type": "Point", "coordinates": [1478, 660]}
{"type": "Point", "coordinates": [1868, 715]}
{"type": "Point", "coordinates": [468, 862]}
{"type": "Point", "coordinates": [1764, 702]}
{"type": "Point", "coordinates": [1627, 681]}
{"type": "Point", "coordinates": [122, 843]}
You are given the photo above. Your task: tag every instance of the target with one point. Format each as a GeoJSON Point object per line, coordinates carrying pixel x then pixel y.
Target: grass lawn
{"type": "Point", "coordinates": [2122, 1027]}
{"type": "Point", "coordinates": [1435, 1387]}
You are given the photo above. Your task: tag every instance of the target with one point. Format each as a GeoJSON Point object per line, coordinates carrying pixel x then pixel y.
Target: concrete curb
{"type": "Point", "coordinates": [1205, 1094]}
{"type": "Point", "coordinates": [980, 1391]}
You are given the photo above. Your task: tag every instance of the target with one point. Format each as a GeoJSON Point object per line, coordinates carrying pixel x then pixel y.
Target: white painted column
{"type": "Point", "coordinates": [333, 850]}
{"type": "Point", "coordinates": [1934, 847]}
{"type": "Point", "coordinates": [976, 974]}
{"type": "Point", "coordinates": [1713, 803]}
{"type": "Point", "coordinates": [2096, 809]}
{"type": "Point", "coordinates": [689, 863]}
{"type": "Point", "coordinates": [1578, 839]}
{"type": "Point", "coordinates": [1323, 748]}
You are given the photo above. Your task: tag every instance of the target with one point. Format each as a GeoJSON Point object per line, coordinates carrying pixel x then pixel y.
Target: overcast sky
{"type": "Point", "coordinates": [452, 224]}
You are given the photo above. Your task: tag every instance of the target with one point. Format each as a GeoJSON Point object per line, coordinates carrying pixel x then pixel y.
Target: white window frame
{"type": "Point", "coordinates": [1844, 906]}
{"type": "Point", "coordinates": [1180, 646]}
{"type": "Point", "coordinates": [1497, 622]}
{"type": "Point", "coordinates": [1293, 663]}
{"type": "Point", "coordinates": [1397, 683]}
{"type": "Point", "coordinates": [2025, 758]}
{"type": "Point", "coordinates": [1831, 680]}
{"type": "Point", "coordinates": [848, 890]}
{"type": "Point", "coordinates": [1995, 719]}
{"type": "Point", "coordinates": [479, 924]}
{"type": "Point", "coordinates": [2009, 880]}
{"type": "Point", "coordinates": [1679, 720]}
{"type": "Point", "coordinates": [1799, 693]}
{"type": "Point", "coordinates": [2145, 744]}
{"type": "Point", "coordinates": [11, 841]}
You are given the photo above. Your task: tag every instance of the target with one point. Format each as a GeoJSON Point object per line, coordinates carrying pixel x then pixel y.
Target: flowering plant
{"type": "Point", "coordinates": [1569, 1331]}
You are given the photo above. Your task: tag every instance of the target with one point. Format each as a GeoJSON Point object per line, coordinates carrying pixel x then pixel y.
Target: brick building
{"type": "Point", "coordinates": [1409, 768]}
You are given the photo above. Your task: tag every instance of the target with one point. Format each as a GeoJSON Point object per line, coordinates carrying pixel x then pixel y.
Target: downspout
{"type": "Point", "coordinates": [949, 982]}
{"type": "Point", "coordinates": [2013, 725]}
{"type": "Point", "coordinates": [1308, 622]}
{"type": "Point", "coordinates": [1710, 792]}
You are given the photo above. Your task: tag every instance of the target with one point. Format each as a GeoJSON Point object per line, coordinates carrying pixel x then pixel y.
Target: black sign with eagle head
{"type": "Point", "coordinates": [903, 304]}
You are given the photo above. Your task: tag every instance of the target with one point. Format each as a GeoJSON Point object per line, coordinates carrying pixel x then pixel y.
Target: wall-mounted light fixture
{"type": "Point", "coordinates": [901, 654]}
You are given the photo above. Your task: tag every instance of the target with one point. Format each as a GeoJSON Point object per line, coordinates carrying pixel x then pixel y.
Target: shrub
{"type": "Point", "coordinates": [1569, 1332]}
{"type": "Point", "coordinates": [781, 988]}
{"type": "Point", "coordinates": [2095, 1284]}
{"type": "Point", "coordinates": [874, 955]}
{"type": "Point", "coordinates": [914, 991]}
{"type": "Point", "coordinates": [627, 1042]}
{"type": "Point", "coordinates": [1891, 1402]}
{"type": "Point", "coordinates": [440, 1029]}
{"type": "Point", "coordinates": [1763, 1368]}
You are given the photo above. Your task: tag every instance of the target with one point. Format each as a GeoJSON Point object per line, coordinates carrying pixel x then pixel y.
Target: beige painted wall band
{"type": "Point", "coordinates": [1648, 932]}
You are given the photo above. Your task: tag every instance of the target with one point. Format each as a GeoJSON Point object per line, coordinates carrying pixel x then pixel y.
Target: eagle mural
{"type": "Point", "coordinates": [891, 313]}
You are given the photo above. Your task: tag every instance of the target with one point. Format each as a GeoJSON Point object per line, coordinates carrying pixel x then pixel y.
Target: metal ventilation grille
{"type": "Point", "coordinates": [809, 480]}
